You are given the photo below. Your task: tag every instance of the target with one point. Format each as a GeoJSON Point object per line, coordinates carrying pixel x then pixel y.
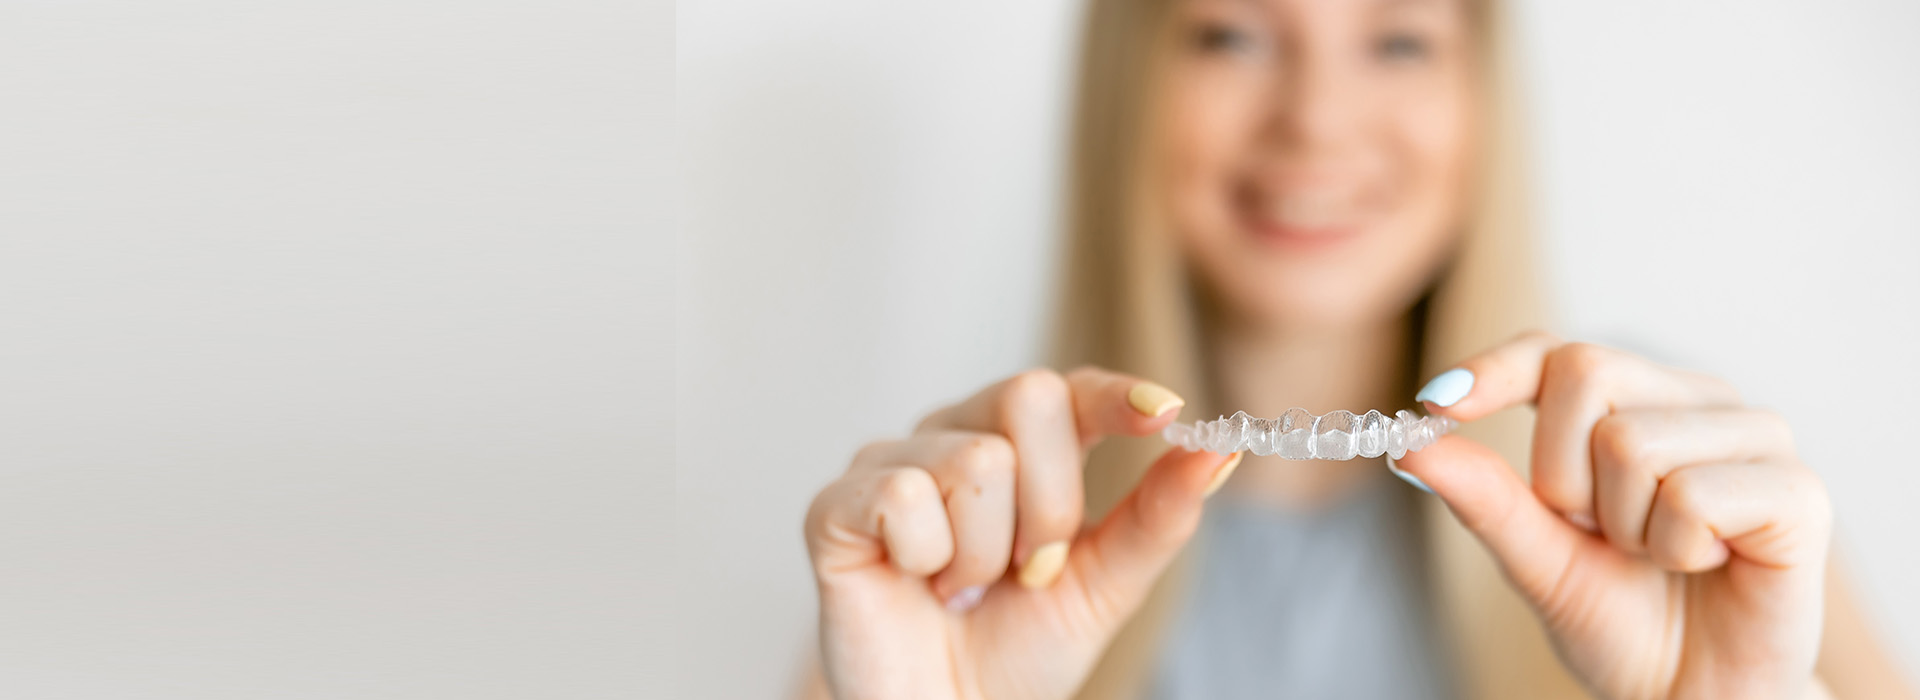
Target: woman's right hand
{"type": "Point", "coordinates": [951, 564]}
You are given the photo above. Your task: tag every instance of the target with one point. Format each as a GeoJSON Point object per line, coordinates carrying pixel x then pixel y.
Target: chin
{"type": "Point", "coordinates": [1302, 309]}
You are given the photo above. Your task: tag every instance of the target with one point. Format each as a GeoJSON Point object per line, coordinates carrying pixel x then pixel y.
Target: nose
{"type": "Point", "coordinates": [1317, 106]}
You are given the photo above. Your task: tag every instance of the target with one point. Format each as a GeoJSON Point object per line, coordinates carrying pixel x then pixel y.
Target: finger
{"type": "Point", "coordinates": [974, 473]}
{"type": "Point", "coordinates": [1633, 450]}
{"type": "Point", "coordinates": [1118, 563]}
{"type": "Point", "coordinates": [1573, 386]}
{"type": "Point", "coordinates": [1581, 384]}
{"type": "Point", "coordinates": [1532, 544]}
{"type": "Point", "coordinates": [1506, 375]}
{"type": "Point", "coordinates": [1051, 419]}
{"type": "Point", "coordinates": [872, 516]}
{"type": "Point", "coordinates": [1516, 373]}
{"type": "Point", "coordinates": [1772, 513]}
{"type": "Point", "coordinates": [1103, 402]}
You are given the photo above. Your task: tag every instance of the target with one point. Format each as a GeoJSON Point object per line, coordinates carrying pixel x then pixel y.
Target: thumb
{"type": "Point", "coordinates": [1531, 543]}
{"type": "Point", "coordinates": [1123, 557]}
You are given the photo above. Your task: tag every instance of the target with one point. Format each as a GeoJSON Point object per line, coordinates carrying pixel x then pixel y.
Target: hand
{"type": "Point", "coordinates": [911, 547]}
{"type": "Point", "coordinates": [1671, 541]}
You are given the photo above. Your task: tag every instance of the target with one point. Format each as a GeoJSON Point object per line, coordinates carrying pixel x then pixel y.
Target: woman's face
{"type": "Point", "coordinates": [1318, 151]}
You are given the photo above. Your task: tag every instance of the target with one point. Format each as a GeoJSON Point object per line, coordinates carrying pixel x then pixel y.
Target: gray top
{"type": "Point", "coordinates": [1328, 603]}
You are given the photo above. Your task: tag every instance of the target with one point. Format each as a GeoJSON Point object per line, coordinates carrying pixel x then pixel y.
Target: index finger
{"type": "Point", "coordinates": [1103, 403]}
{"type": "Point", "coordinates": [1516, 373]}
{"type": "Point", "coordinates": [1051, 419]}
{"type": "Point", "coordinates": [1573, 386]}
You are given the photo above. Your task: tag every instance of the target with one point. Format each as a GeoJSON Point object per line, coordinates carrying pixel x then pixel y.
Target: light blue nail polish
{"type": "Point", "coordinates": [1448, 388]}
{"type": "Point", "coordinates": [1409, 478]}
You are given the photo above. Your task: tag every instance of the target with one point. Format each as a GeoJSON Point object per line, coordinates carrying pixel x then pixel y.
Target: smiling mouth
{"type": "Point", "coordinates": [1299, 219]}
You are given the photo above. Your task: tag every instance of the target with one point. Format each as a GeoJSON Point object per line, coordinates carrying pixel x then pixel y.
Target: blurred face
{"type": "Point", "coordinates": [1317, 152]}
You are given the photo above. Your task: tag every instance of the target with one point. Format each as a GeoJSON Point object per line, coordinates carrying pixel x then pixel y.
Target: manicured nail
{"type": "Point", "coordinates": [1151, 399]}
{"type": "Point", "coordinates": [1220, 476]}
{"type": "Point", "coordinates": [1409, 478]}
{"type": "Point", "coordinates": [967, 599]}
{"type": "Point", "coordinates": [1448, 388]}
{"type": "Point", "coordinates": [1044, 565]}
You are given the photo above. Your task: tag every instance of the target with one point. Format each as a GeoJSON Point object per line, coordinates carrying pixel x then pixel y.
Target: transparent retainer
{"type": "Point", "coordinates": [1298, 434]}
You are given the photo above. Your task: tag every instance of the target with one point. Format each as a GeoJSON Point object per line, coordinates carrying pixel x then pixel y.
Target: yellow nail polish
{"type": "Point", "coordinates": [1226, 470]}
{"type": "Point", "coordinates": [1044, 566]}
{"type": "Point", "coordinates": [1151, 399]}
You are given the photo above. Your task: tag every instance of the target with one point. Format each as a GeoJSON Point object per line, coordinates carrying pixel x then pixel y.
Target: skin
{"type": "Point", "coordinates": [1671, 540]}
{"type": "Point", "coordinates": [980, 485]}
{"type": "Point", "coordinates": [1316, 159]}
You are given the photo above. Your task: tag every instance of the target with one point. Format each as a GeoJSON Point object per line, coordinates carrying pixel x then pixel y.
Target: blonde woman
{"type": "Point", "coordinates": [1314, 203]}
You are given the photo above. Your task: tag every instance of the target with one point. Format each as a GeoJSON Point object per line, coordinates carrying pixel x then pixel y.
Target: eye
{"type": "Point", "coordinates": [1402, 47]}
{"type": "Point", "coordinates": [1217, 37]}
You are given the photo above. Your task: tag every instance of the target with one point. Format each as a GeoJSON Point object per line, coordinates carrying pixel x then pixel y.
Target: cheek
{"type": "Point", "coordinates": [1437, 149]}
{"type": "Point", "coordinates": [1440, 145]}
{"type": "Point", "coordinates": [1210, 124]}
{"type": "Point", "coordinates": [1432, 149]}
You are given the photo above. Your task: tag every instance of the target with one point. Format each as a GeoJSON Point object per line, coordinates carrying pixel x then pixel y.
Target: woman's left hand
{"type": "Point", "coordinates": [1671, 540]}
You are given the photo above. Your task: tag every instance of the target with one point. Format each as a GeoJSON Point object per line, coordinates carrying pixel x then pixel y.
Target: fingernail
{"type": "Point", "coordinates": [1151, 399]}
{"type": "Point", "coordinates": [1583, 521]}
{"type": "Point", "coordinates": [1044, 565]}
{"type": "Point", "coordinates": [1220, 476]}
{"type": "Point", "coordinates": [1448, 388]}
{"type": "Point", "coordinates": [1409, 478]}
{"type": "Point", "coordinates": [967, 599]}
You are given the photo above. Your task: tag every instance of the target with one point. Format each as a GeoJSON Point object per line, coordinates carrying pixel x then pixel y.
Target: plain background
{"type": "Point", "coordinates": [867, 207]}
{"type": "Point", "coordinates": [332, 361]}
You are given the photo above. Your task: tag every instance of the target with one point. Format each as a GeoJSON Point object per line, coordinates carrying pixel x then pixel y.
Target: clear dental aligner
{"type": "Point", "coordinates": [1298, 434]}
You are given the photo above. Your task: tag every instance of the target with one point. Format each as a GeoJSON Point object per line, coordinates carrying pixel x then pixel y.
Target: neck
{"type": "Point", "coordinates": [1266, 370]}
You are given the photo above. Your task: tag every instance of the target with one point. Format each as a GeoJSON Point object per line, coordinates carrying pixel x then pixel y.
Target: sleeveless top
{"type": "Point", "coordinates": [1323, 603]}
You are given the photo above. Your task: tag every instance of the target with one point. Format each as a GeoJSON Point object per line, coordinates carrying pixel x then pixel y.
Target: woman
{"type": "Point", "coordinates": [1311, 203]}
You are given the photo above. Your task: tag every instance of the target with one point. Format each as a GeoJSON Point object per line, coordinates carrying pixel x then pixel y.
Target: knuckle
{"type": "Point", "coordinates": [1683, 497]}
{"type": "Point", "coordinates": [984, 459]}
{"type": "Point", "coordinates": [1033, 389]}
{"type": "Point", "coordinates": [1580, 361]}
{"type": "Point", "coordinates": [1622, 443]}
{"type": "Point", "coordinates": [906, 487]}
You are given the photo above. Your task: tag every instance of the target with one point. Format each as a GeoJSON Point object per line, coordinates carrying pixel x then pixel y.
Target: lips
{"type": "Point", "coordinates": [1300, 218]}
{"type": "Point", "coordinates": [1305, 212]}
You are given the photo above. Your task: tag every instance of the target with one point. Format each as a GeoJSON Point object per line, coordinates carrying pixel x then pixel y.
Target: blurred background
{"type": "Point", "coordinates": [328, 341]}
{"type": "Point", "coordinates": [869, 194]}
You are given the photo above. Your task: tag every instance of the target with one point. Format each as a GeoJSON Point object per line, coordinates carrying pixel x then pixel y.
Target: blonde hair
{"type": "Point", "coordinates": [1129, 306]}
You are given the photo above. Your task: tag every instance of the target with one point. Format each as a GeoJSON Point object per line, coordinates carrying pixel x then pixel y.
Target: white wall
{"type": "Point", "coordinates": [868, 192]}
{"type": "Point", "coordinates": [322, 327]}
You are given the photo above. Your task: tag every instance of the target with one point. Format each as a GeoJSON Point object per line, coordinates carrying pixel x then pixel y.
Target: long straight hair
{"type": "Point", "coordinates": [1128, 304]}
